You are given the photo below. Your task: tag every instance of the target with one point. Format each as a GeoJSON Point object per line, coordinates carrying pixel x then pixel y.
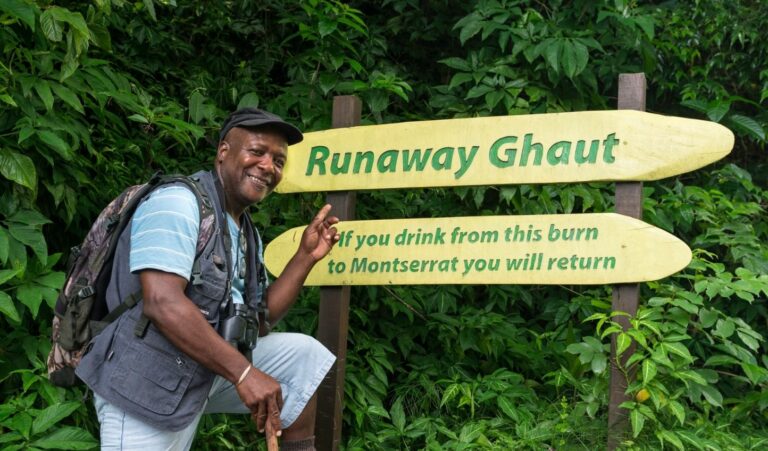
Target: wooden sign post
{"type": "Point", "coordinates": [629, 201]}
{"type": "Point", "coordinates": [333, 322]}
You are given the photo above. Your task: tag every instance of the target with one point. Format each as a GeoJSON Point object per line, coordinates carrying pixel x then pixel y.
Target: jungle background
{"type": "Point", "coordinates": [98, 95]}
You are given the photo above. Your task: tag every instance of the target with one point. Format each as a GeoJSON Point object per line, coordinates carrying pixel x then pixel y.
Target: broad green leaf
{"type": "Point", "coordinates": [646, 24]}
{"type": "Point", "coordinates": [67, 438]}
{"type": "Point", "coordinates": [568, 58]}
{"type": "Point", "coordinates": [398, 415]}
{"type": "Point", "coordinates": [250, 99]}
{"type": "Point", "coordinates": [581, 54]}
{"type": "Point", "coordinates": [74, 19]}
{"type": "Point", "coordinates": [31, 296]}
{"type": "Point", "coordinates": [9, 437]}
{"type": "Point", "coordinates": [707, 317]}
{"type": "Point", "coordinates": [100, 36]}
{"type": "Point", "coordinates": [8, 99]}
{"type": "Point", "coordinates": [150, 5]}
{"type": "Point", "coordinates": [21, 422]}
{"type": "Point", "coordinates": [138, 118]}
{"type": "Point", "coordinates": [678, 349]}
{"type": "Point", "coordinates": [717, 111]}
{"type": "Point", "coordinates": [478, 91]}
{"type": "Point", "coordinates": [20, 10]}
{"type": "Point", "coordinates": [551, 54]}
{"type": "Point", "coordinates": [670, 437]}
{"type": "Point", "coordinates": [756, 374]}
{"type": "Point", "coordinates": [622, 343]}
{"type": "Point", "coordinates": [327, 27]}
{"type": "Point", "coordinates": [18, 168]}
{"type": "Point", "coordinates": [29, 218]}
{"type": "Point", "coordinates": [53, 279]}
{"type": "Point", "coordinates": [690, 375]}
{"type": "Point", "coordinates": [677, 410]}
{"type": "Point", "coordinates": [55, 142]}
{"type": "Point", "coordinates": [721, 359]}
{"type": "Point", "coordinates": [599, 363]}
{"type": "Point", "coordinates": [7, 274]}
{"type": "Point", "coordinates": [748, 340]}
{"type": "Point", "coordinates": [748, 125]}
{"type": "Point", "coordinates": [649, 370]}
{"type": "Point", "coordinates": [4, 246]}
{"type": "Point", "coordinates": [33, 238]}
{"type": "Point", "coordinates": [459, 79]}
{"type": "Point", "coordinates": [457, 63]}
{"type": "Point", "coordinates": [44, 92]}
{"type": "Point", "coordinates": [25, 133]}
{"type": "Point", "coordinates": [8, 309]}
{"type": "Point", "coordinates": [725, 328]}
{"type": "Point", "coordinates": [638, 421]}
{"type": "Point", "coordinates": [196, 108]}
{"type": "Point", "coordinates": [469, 30]}
{"type": "Point", "coordinates": [68, 96]}
{"type": "Point", "coordinates": [71, 63]}
{"type": "Point", "coordinates": [52, 415]}
{"type": "Point", "coordinates": [693, 438]}
{"type": "Point", "coordinates": [52, 28]}
{"type": "Point", "coordinates": [507, 407]}
{"type": "Point", "coordinates": [712, 395]}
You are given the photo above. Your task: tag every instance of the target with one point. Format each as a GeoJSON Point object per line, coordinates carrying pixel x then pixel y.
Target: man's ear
{"type": "Point", "coordinates": [221, 151]}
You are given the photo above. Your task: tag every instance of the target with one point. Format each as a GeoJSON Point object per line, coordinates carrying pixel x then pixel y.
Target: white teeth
{"type": "Point", "coordinates": [264, 182]}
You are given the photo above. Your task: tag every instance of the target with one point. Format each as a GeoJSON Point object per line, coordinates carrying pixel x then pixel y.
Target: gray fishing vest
{"type": "Point", "coordinates": [147, 376]}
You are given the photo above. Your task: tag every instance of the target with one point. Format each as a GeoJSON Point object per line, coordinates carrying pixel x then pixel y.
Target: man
{"type": "Point", "coordinates": [162, 364]}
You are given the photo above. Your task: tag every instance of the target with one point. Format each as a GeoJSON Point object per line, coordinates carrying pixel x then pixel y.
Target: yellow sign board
{"type": "Point", "coordinates": [586, 146]}
{"type": "Point", "coordinates": [581, 249]}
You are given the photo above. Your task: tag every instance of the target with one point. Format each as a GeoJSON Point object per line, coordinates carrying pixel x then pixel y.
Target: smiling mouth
{"type": "Point", "coordinates": [266, 182]}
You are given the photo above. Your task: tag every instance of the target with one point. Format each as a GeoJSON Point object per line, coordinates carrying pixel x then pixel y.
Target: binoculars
{"type": "Point", "coordinates": [241, 328]}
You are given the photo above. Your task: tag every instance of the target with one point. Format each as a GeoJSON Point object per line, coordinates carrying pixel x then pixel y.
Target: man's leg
{"type": "Point", "coordinates": [299, 363]}
{"type": "Point", "coordinates": [120, 431]}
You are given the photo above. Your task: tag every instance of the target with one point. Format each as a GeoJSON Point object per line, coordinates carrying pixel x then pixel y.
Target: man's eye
{"type": "Point", "coordinates": [279, 163]}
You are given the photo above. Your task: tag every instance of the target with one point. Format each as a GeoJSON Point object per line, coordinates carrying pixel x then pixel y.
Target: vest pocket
{"type": "Point", "coordinates": [151, 378]}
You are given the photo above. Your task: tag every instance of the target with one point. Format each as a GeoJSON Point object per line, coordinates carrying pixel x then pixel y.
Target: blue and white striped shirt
{"type": "Point", "coordinates": [164, 236]}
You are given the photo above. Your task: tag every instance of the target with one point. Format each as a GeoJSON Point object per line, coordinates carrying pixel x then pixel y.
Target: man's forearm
{"type": "Point", "coordinates": [180, 321]}
{"type": "Point", "coordinates": [282, 293]}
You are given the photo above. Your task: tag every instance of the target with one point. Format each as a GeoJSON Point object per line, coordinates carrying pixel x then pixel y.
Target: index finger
{"type": "Point", "coordinates": [322, 214]}
{"type": "Point", "coordinates": [273, 419]}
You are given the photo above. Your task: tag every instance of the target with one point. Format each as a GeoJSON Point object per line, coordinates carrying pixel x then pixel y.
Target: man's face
{"type": "Point", "coordinates": [250, 165]}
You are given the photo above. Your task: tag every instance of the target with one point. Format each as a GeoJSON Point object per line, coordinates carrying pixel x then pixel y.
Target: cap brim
{"type": "Point", "coordinates": [292, 134]}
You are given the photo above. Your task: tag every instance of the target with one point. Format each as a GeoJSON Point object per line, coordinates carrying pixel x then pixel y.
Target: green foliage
{"type": "Point", "coordinates": [98, 95]}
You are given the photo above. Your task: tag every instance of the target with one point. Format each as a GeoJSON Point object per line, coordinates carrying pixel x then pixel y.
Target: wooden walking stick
{"type": "Point", "coordinates": [271, 436]}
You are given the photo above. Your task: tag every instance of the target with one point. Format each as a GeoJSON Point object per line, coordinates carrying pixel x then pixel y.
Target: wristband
{"type": "Point", "coordinates": [245, 373]}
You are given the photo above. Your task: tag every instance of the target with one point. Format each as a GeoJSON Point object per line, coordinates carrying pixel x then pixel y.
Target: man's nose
{"type": "Point", "coordinates": [266, 163]}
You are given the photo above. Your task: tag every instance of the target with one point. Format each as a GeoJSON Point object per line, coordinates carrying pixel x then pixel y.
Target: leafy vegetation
{"type": "Point", "coordinates": [98, 95]}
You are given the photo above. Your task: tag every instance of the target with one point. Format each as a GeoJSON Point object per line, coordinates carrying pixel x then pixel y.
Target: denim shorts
{"type": "Point", "coordinates": [298, 362]}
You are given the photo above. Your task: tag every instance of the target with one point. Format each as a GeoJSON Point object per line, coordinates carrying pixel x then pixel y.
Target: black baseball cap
{"type": "Point", "coordinates": [255, 117]}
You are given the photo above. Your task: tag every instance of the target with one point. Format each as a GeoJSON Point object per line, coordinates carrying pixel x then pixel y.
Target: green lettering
{"type": "Point", "coordinates": [493, 154]}
{"type": "Point", "coordinates": [446, 154]}
{"type": "Point", "coordinates": [417, 160]}
{"type": "Point", "coordinates": [317, 157]}
{"type": "Point", "coordinates": [387, 161]}
{"type": "Point", "coordinates": [608, 144]}
{"type": "Point", "coordinates": [528, 147]}
{"type": "Point", "coordinates": [565, 150]}
{"type": "Point", "coordinates": [592, 157]}
{"type": "Point", "coordinates": [363, 157]}
{"type": "Point", "coordinates": [344, 167]}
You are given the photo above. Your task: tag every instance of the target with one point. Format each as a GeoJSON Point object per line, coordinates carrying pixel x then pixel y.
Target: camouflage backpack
{"type": "Point", "coordinates": [81, 309]}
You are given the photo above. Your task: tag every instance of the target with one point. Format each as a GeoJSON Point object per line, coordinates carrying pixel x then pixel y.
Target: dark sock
{"type": "Point", "coordinates": [307, 444]}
